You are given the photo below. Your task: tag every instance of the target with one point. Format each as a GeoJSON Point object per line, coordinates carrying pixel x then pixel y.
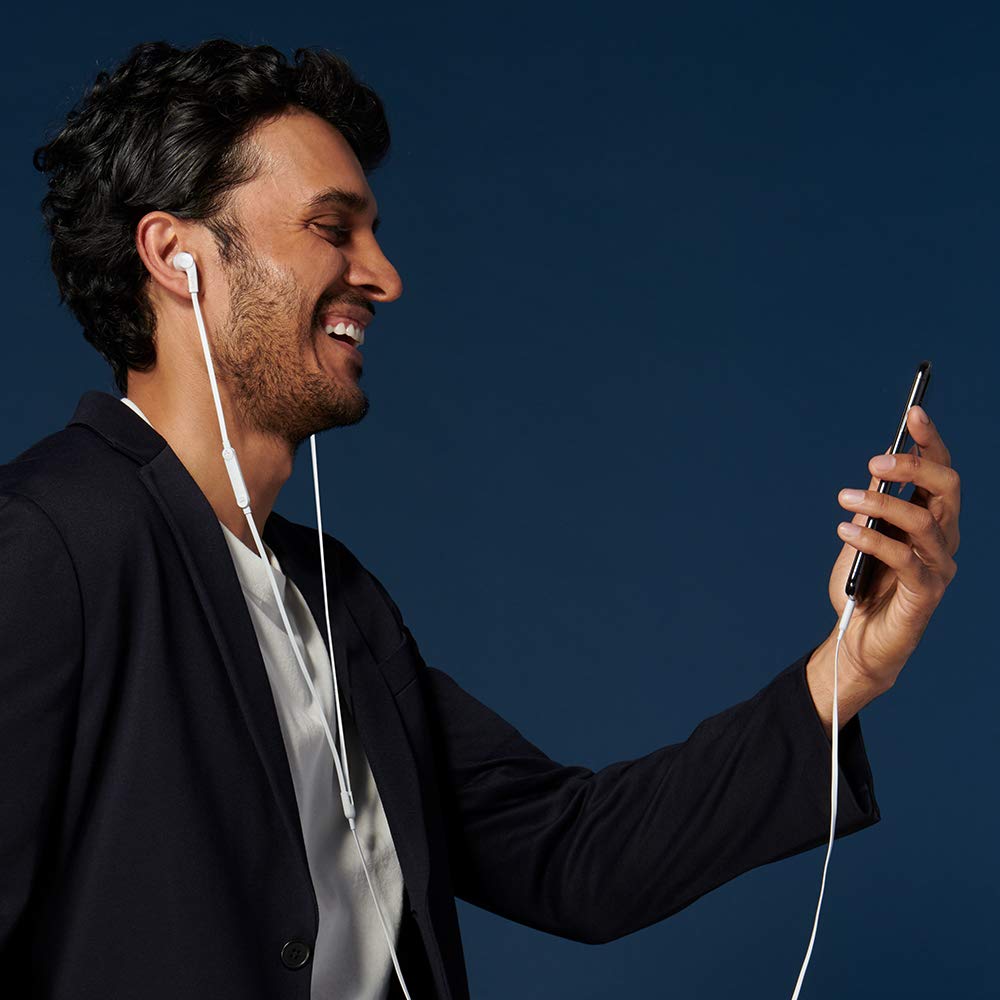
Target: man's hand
{"type": "Point", "coordinates": [913, 566]}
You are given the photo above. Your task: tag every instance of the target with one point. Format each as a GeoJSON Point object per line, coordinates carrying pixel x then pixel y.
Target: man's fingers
{"type": "Point", "coordinates": [926, 436]}
{"type": "Point", "coordinates": [934, 479]}
{"type": "Point", "coordinates": [919, 577]}
{"type": "Point", "coordinates": [928, 466]}
{"type": "Point", "coordinates": [904, 521]}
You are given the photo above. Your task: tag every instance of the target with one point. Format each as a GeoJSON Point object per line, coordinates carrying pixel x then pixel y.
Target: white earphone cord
{"type": "Point", "coordinates": [184, 262]}
{"type": "Point", "coordinates": [340, 723]}
{"type": "Point", "coordinates": [834, 786]}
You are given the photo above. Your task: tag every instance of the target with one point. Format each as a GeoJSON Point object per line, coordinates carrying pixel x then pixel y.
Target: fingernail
{"type": "Point", "coordinates": [852, 496]}
{"type": "Point", "coordinates": [921, 416]}
{"type": "Point", "coordinates": [848, 530]}
{"type": "Point", "coordinates": [883, 463]}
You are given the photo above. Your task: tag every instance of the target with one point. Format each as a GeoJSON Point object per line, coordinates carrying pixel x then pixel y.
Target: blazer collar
{"type": "Point", "coordinates": [128, 433]}
{"type": "Point", "coordinates": [119, 425]}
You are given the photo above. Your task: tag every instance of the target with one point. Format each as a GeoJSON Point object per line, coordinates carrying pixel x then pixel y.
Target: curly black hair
{"type": "Point", "coordinates": [167, 130]}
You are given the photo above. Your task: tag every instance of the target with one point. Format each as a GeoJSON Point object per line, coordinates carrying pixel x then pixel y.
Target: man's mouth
{"type": "Point", "coordinates": [345, 323]}
{"type": "Point", "coordinates": [352, 333]}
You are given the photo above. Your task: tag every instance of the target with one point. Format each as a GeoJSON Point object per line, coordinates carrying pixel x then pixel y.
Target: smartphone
{"type": "Point", "coordinates": [857, 579]}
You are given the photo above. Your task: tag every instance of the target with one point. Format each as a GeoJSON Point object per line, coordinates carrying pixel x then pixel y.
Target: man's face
{"type": "Point", "coordinates": [309, 219]}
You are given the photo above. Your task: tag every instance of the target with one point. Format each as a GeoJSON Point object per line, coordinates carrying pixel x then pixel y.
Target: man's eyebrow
{"type": "Point", "coordinates": [341, 198]}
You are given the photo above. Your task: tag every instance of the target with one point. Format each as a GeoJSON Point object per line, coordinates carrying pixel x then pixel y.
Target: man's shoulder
{"type": "Point", "coordinates": [73, 475]}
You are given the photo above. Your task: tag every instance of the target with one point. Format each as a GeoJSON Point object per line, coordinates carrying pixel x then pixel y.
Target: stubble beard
{"type": "Point", "coordinates": [262, 357]}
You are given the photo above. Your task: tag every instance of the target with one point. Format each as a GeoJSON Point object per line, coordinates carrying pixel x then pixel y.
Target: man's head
{"type": "Point", "coordinates": [257, 168]}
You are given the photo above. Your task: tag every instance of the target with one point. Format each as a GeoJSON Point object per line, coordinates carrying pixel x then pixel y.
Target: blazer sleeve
{"type": "Point", "coordinates": [41, 637]}
{"type": "Point", "coordinates": [593, 855]}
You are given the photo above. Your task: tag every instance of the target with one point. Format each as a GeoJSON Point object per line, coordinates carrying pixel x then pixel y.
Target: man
{"type": "Point", "coordinates": [171, 825]}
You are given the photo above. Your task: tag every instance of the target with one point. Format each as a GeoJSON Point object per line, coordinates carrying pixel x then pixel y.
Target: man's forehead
{"type": "Point", "coordinates": [307, 165]}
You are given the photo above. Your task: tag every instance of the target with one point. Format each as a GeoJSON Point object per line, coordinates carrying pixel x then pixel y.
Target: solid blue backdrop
{"type": "Point", "coordinates": [668, 272]}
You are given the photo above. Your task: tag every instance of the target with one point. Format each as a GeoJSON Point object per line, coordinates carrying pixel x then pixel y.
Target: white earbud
{"type": "Point", "coordinates": [183, 261]}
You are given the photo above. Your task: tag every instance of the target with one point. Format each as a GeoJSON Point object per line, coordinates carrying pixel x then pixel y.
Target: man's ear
{"type": "Point", "coordinates": [159, 237]}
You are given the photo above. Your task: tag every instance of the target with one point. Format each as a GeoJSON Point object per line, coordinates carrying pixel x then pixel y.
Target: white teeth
{"type": "Point", "coordinates": [356, 333]}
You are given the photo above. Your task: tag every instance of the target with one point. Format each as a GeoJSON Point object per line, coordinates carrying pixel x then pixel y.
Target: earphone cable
{"type": "Point", "coordinates": [326, 608]}
{"type": "Point", "coordinates": [243, 500]}
{"type": "Point", "coordinates": [834, 789]}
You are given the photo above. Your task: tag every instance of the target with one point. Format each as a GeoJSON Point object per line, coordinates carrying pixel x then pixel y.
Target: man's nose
{"type": "Point", "coordinates": [373, 272]}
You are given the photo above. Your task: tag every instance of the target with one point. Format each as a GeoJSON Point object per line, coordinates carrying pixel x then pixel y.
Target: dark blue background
{"type": "Point", "coordinates": [667, 275]}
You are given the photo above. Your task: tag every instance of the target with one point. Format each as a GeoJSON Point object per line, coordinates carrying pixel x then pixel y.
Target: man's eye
{"type": "Point", "coordinates": [339, 233]}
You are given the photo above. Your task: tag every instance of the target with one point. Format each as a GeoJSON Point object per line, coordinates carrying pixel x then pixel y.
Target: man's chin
{"type": "Point", "coordinates": [294, 421]}
{"type": "Point", "coordinates": [351, 413]}
{"type": "Point", "coordinates": [347, 408]}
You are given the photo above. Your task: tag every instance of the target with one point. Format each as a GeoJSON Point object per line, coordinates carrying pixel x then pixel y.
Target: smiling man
{"type": "Point", "coordinates": [171, 823]}
{"type": "Point", "coordinates": [290, 272]}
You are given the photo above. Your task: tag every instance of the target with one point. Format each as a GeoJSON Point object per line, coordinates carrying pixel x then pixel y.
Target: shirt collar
{"type": "Point", "coordinates": [251, 571]}
{"type": "Point", "coordinates": [128, 402]}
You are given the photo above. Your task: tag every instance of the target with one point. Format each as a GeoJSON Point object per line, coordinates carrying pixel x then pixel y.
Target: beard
{"type": "Point", "coordinates": [261, 357]}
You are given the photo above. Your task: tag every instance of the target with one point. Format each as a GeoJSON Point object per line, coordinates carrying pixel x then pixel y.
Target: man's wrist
{"type": "Point", "coordinates": [854, 690]}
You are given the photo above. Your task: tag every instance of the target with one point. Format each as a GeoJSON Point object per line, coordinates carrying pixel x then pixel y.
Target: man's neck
{"type": "Point", "coordinates": [191, 428]}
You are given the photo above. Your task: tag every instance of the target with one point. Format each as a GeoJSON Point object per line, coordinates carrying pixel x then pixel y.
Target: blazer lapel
{"type": "Point", "coordinates": [203, 548]}
{"type": "Point", "coordinates": [360, 634]}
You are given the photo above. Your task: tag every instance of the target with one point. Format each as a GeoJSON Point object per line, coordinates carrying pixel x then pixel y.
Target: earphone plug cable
{"type": "Point", "coordinates": [834, 788]}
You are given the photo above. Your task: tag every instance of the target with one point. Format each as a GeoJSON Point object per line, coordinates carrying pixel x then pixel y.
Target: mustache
{"type": "Point", "coordinates": [346, 299]}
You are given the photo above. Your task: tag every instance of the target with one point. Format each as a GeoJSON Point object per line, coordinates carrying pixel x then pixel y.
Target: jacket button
{"type": "Point", "coordinates": [295, 954]}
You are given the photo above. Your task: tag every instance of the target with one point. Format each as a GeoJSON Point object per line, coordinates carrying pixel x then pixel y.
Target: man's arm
{"type": "Point", "coordinates": [593, 856]}
{"type": "Point", "coordinates": [41, 637]}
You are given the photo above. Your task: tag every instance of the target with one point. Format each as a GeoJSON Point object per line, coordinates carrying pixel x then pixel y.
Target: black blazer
{"type": "Point", "coordinates": [150, 844]}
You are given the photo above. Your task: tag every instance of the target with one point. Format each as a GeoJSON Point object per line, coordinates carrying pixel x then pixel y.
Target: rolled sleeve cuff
{"type": "Point", "coordinates": [857, 807]}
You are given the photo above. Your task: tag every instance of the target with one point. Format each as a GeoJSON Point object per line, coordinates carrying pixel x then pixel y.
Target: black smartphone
{"type": "Point", "coordinates": [857, 579]}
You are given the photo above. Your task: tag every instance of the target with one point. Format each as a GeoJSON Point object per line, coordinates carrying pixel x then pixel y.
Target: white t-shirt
{"type": "Point", "coordinates": [350, 958]}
